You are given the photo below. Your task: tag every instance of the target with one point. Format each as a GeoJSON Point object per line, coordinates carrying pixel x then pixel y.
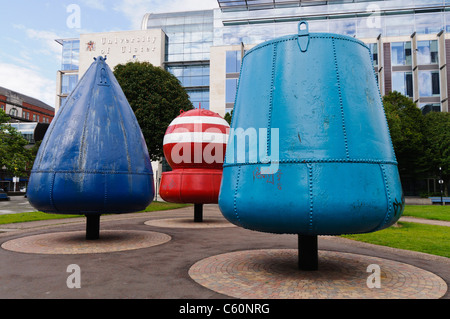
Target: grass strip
{"type": "Point", "coordinates": [436, 212]}
{"type": "Point", "coordinates": [35, 216]}
{"type": "Point", "coordinates": [423, 238]}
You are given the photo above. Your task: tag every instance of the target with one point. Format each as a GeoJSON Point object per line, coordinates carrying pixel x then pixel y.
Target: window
{"type": "Point", "coordinates": [231, 89]}
{"type": "Point", "coordinates": [402, 82]}
{"type": "Point", "coordinates": [34, 117]}
{"type": "Point", "coordinates": [191, 75]}
{"type": "Point", "coordinates": [233, 61]}
{"type": "Point", "coordinates": [70, 55]}
{"type": "Point", "coordinates": [430, 107]}
{"type": "Point", "coordinates": [427, 52]}
{"type": "Point", "coordinates": [401, 53]}
{"type": "Point", "coordinates": [429, 83]}
{"type": "Point", "coordinates": [69, 81]}
{"type": "Point", "coordinates": [199, 98]}
{"type": "Point", "coordinates": [63, 100]}
{"type": "Point", "coordinates": [398, 25]}
{"type": "Point", "coordinates": [374, 52]}
{"type": "Point", "coordinates": [13, 112]}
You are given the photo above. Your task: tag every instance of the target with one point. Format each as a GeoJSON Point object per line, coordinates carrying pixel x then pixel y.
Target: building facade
{"type": "Point", "coordinates": [118, 47]}
{"type": "Point", "coordinates": [23, 108]}
{"type": "Point", "coordinates": [203, 49]}
{"type": "Point", "coordinates": [31, 118]}
{"type": "Point", "coordinates": [408, 40]}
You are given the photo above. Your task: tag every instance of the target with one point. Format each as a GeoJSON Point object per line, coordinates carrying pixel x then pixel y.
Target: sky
{"type": "Point", "coordinates": [29, 55]}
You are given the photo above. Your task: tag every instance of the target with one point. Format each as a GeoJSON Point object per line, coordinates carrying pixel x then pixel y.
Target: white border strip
{"type": "Point", "coordinates": [199, 120]}
{"type": "Point", "coordinates": [196, 137]}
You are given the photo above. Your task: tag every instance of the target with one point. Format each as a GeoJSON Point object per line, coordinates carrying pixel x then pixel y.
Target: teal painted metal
{"type": "Point", "coordinates": [93, 159]}
{"type": "Point", "coordinates": [309, 150]}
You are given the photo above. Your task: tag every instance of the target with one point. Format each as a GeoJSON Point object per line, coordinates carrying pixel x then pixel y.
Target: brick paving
{"type": "Point", "coordinates": [273, 274]}
{"type": "Point", "coordinates": [71, 243]}
{"type": "Point", "coordinates": [146, 255]}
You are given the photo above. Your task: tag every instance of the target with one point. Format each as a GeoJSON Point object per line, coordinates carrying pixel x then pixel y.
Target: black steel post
{"type": "Point", "coordinates": [92, 226]}
{"type": "Point", "coordinates": [198, 213]}
{"type": "Point", "coordinates": [441, 184]}
{"type": "Point", "coordinates": [307, 252]}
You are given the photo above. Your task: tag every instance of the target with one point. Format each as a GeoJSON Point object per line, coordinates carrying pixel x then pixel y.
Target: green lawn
{"type": "Point", "coordinates": [34, 216]}
{"type": "Point", "coordinates": [437, 212]}
{"type": "Point", "coordinates": [428, 239]}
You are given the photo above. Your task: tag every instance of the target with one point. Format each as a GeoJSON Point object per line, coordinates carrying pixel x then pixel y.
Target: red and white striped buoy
{"type": "Point", "coordinates": [194, 146]}
{"type": "Point", "coordinates": [196, 139]}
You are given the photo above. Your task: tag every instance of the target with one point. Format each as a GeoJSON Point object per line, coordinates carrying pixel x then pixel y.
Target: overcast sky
{"type": "Point", "coordinates": [29, 55]}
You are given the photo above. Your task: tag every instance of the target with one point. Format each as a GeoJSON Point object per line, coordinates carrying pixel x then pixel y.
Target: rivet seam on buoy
{"type": "Point", "coordinates": [341, 104]}
{"type": "Point", "coordinates": [311, 197]}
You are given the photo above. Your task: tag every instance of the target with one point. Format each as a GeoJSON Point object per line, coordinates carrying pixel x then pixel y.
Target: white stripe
{"type": "Point", "coordinates": [199, 120]}
{"type": "Point", "coordinates": [196, 137]}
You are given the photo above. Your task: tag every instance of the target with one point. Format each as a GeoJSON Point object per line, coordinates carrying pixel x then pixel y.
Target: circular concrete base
{"type": "Point", "coordinates": [274, 274]}
{"type": "Point", "coordinates": [189, 223]}
{"type": "Point", "coordinates": [70, 243]}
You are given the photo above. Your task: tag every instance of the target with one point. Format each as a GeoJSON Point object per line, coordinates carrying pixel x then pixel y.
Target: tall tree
{"type": "Point", "coordinates": [406, 124]}
{"type": "Point", "coordinates": [156, 97]}
{"type": "Point", "coordinates": [13, 154]}
{"type": "Point", "coordinates": [437, 133]}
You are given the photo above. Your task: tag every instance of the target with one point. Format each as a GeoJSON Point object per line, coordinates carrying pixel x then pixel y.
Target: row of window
{"type": "Point", "coordinates": [428, 83]}
{"type": "Point", "coordinates": [25, 114]}
{"type": "Point", "coordinates": [401, 53]}
{"type": "Point", "coordinates": [427, 53]}
{"type": "Point", "coordinates": [402, 82]}
{"type": "Point", "coordinates": [365, 26]}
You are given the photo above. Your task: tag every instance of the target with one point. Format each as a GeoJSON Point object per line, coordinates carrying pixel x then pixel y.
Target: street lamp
{"type": "Point", "coordinates": [441, 184]}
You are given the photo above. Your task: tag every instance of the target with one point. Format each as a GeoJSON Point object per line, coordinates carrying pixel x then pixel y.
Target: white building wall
{"type": "Point", "coordinates": [122, 47]}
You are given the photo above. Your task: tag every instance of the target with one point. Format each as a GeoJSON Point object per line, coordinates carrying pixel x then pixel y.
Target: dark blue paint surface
{"type": "Point", "coordinates": [93, 158]}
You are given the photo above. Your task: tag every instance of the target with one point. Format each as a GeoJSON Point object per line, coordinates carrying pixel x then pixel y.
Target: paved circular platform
{"type": "Point", "coordinates": [69, 243]}
{"type": "Point", "coordinates": [208, 222]}
{"type": "Point", "coordinates": [273, 274]}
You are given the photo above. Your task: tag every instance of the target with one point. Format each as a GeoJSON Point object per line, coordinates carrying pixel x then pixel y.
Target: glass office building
{"type": "Point", "coordinates": [67, 77]}
{"type": "Point", "coordinates": [189, 37]}
{"type": "Point", "coordinates": [407, 39]}
{"type": "Point", "coordinates": [203, 49]}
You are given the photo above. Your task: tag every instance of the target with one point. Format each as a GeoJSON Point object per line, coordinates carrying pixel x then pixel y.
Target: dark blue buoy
{"type": "Point", "coordinates": [93, 159]}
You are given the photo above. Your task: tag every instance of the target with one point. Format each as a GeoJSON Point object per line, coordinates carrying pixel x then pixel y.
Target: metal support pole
{"type": "Point", "coordinates": [198, 213]}
{"type": "Point", "coordinates": [92, 226]}
{"type": "Point", "coordinates": [307, 252]}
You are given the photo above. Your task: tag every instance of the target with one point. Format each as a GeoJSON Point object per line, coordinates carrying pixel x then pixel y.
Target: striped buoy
{"type": "Point", "coordinates": [194, 146]}
{"type": "Point", "coordinates": [196, 139]}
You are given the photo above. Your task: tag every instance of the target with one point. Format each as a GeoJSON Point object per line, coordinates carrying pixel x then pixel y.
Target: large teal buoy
{"type": "Point", "coordinates": [309, 151]}
{"type": "Point", "coordinates": [93, 159]}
